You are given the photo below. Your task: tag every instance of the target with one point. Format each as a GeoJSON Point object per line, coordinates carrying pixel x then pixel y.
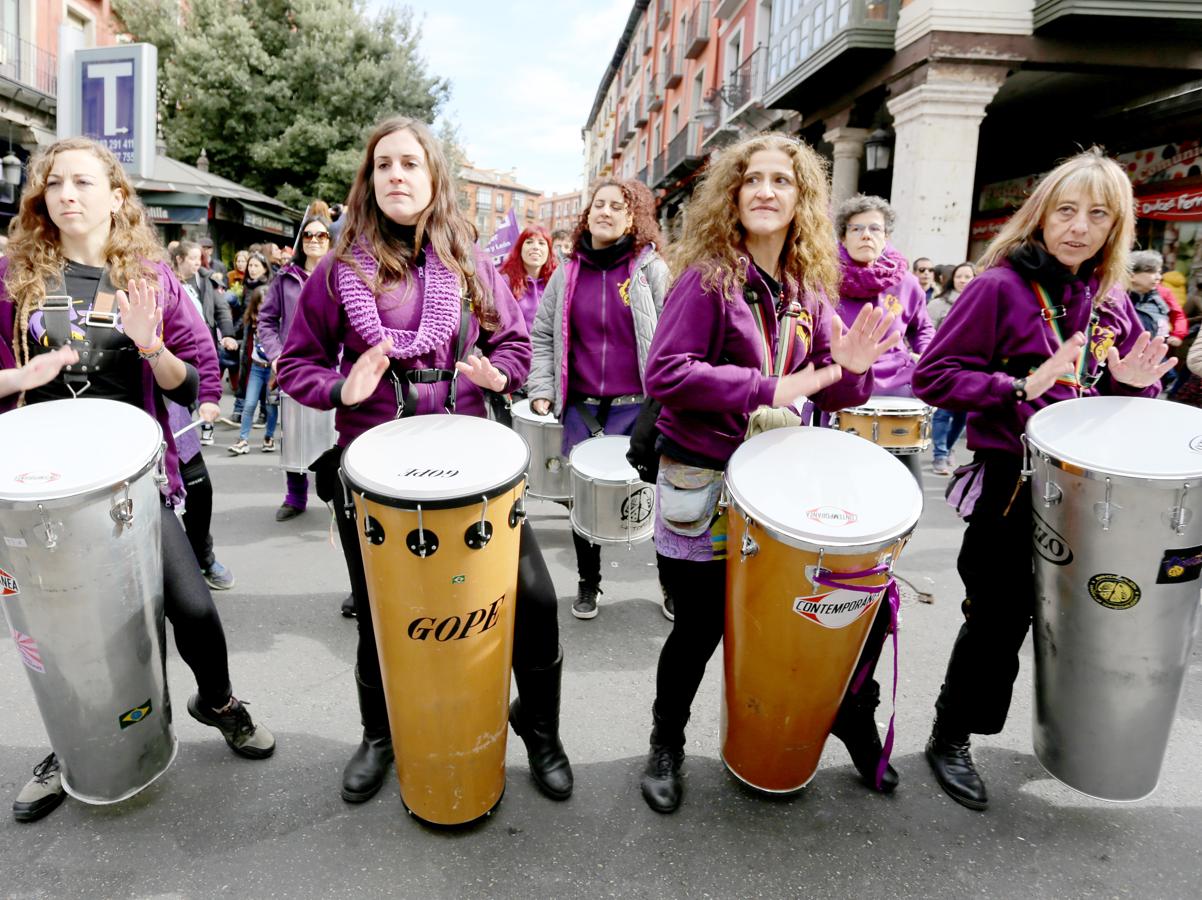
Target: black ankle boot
{"type": "Point", "coordinates": [662, 786]}
{"type": "Point", "coordinates": [950, 759]}
{"type": "Point", "coordinates": [855, 726]}
{"type": "Point", "coordinates": [366, 770]}
{"type": "Point", "coordinates": [534, 715]}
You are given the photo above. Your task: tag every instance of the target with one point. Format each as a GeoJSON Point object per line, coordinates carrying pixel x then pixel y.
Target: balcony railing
{"type": "Point", "coordinates": [665, 15]}
{"type": "Point", "coordinates": [640, 112]}
{"type": "Point", "coordinates": [698, 32]}
{"type": "Point", "coordinates": [684, 148]}
{"type": "Point", "coordinates": [819, 33]}
{"type": "Point", "coordinates": [28, 64]}
{"type": "Point", "coordinates": [644, 175]}
{"type": "Point", "coordinates": [675, 67]}
{"type": "Point", "coordinates": [655, 94]}
{"type": "Point", "coordinates": [628, 128]}
{"type": "Point", "coordinates": [746, 83]}
{"type": "Point", "coordinates": [657, 170]}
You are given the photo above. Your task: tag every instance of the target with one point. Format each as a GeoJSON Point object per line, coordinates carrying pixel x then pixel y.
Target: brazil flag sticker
{"type": "Point", "coordinates": [134, 716]}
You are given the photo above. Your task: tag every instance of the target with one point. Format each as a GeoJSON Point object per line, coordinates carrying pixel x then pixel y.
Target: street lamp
{"type": "Point", "coordinates": [12, 168]}
{"type": "Point", "coordinates": [877, 150]}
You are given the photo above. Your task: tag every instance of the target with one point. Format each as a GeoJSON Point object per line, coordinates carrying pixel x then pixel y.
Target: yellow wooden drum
{"type": "Point", "coordinates": [807, 505]}
{"type": "Point", "coordinates": [439, 503]}
{"type": "Point", "coordinates": [902, 425]}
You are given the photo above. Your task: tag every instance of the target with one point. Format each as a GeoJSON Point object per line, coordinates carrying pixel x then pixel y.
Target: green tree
{"type": "Point", "coordinates": [281, 93]}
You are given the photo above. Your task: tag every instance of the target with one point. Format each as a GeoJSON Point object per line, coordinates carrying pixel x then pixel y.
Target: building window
{"type": "Point", "coordinates": [500, 202]}
{"type": "Point", "coordinates": [484, 198]}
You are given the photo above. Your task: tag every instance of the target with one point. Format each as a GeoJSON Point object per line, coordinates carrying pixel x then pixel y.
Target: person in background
{"type": "Point", "coordinates": [527, 269]}
{"type": "Point", "coordinates": [1151, 308]}
{"type": "Point", "coordinates": [259, 380]}
{"type": "Point", "coordinates": [258, 274]}
{"type": "Point", "coordinates": [561, 244]}
{"type": "Point", "coordinates": [946, 425]}
{"type": "Point", "coordinates": [210, 261]}
{"type": "Point", "coordinates": [924, 271]}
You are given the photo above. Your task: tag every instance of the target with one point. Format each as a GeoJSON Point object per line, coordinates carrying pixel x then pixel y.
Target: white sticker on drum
{"type": "Point", "coordinates": [16, 543]}
{"type": "Point", "coordinates": [31, 656]}
{"type": "Point", "coordinates": [838, 609]}
{"type": "Point", "coordinates": [37, 477]}
{"type": "Point", "coordinates": [1196, 444]}
{"type": "Point", "coordinates": [832, 516]}
{"type": "Point", "coordinates": [8, 585]}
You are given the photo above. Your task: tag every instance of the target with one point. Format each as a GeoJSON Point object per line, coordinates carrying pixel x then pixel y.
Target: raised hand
{"type": "Point", "coordinates": [141, 315]}
{"type": "Point", "coordinates": [1062, 362]}
{"type": "Point", "coordinates": [365, 374]}
{"type": "Point", "coordinates": [482, 373]}
{"type": "Point", "coordinates": [40, 370]}
{"type": "Point", "coordinates": [858, 347]}
{"type": "Point", "coordinates": [1145, 365]}
{"type": "Point", "coordinates": [805, 383]}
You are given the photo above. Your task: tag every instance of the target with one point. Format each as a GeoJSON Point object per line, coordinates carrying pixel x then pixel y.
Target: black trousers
{"type": "Point", "coordinates": [588, 560]}
{"type": "Point", "coordinates": [198, 510]}
{"type": "Point", "coordinates": [699, 589]}
{"type": "Point", "coordinates": [913, 462]}
{"type": "Point", "coordinates": [536, 619]}
{"type": "Point", "coordinates": [189, 607]}
{"type": "Point", "coordinates": [997, 568]}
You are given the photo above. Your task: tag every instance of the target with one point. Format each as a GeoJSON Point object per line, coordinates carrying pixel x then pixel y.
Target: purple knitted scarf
{"type": "Point", "coordinates": [440, 305]}
{"type": "Point", "coordinates": [871, 280]}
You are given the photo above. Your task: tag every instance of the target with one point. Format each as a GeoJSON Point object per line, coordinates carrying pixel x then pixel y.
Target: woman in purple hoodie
{"type": "Point", "coordinates": [875, 274]}
{"type": "Point", "coordinates": [1046, 320]}
{"type": "Point", "coordinates": [757, 238]}
{"type": "Point", "coordinates": [376, 338]}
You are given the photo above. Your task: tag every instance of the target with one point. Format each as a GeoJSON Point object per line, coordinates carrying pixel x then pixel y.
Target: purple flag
{"type": "Point", "coordinates": [504, 239]}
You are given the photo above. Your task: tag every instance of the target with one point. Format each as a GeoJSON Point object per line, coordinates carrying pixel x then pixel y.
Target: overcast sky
{"type": "Point", "coordinates": [523, 77]}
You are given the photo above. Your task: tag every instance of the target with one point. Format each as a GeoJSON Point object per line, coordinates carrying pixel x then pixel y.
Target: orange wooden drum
{"type": "Point", "coordinates": [439, 502]}
{"type": "Point", "coordinates": [802, 500]}
{"type": "Point", "coordinates": [902, 425]}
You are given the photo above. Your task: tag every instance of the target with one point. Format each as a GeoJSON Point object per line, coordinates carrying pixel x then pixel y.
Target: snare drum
{"type": "Point", "coordinates": [1118, 556]}
{"type": "Point", "coordinates": [438, 501]}
{"type": "Point", "coordinates": [308, 433]}
{"type": "Point", "coordinates": [902, 425]}
{"type": "Point", "coordinates": [610, 503]}
{"type": "Point", "coordinates": [805, 503]}
{"type": "Point", "coordinates": [549, 478]}
{"type": "Point", "coordinates": [81, 575]}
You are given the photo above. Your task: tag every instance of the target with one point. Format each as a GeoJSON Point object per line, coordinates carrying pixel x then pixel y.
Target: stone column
{"type": "Point", "coordinates": [937, 127]}
{"type": "Point", "coordinates": [849, 150]}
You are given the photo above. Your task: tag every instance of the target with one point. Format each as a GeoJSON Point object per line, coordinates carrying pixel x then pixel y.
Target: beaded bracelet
{"type": "Point", "coordinates": [151, 355]}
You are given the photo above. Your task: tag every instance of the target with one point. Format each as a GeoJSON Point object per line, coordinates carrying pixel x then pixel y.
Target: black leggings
{"type": "Point", "coordinates": [189, 606]}
{"type": "Point", "coordinates": [536, 620]}
{"type": "Point", "coordinates": [699, 589]}
{"type": "Point", "coordinates": [198, 511]}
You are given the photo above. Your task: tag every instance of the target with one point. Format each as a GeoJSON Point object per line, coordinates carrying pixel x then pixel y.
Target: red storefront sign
{"type": "Point", "coordinates": [1177, 206]}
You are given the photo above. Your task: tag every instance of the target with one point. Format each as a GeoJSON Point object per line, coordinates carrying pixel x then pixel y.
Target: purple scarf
{"type": "Point", "coordinates": [440, 305]}
{"type": "Point", "coordinates": [871, 280]}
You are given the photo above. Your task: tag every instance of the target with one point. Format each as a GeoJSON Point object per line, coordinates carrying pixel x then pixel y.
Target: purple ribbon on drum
{"type": "Point", "coordinates": [839, 580]}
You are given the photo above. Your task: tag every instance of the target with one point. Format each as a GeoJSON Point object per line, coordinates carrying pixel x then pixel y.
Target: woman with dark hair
{"type": "Point", "coordinates": [81, 231]}
{"type": "Point", "coordinates": [386, 304]}
{"type": "Point", "coordinates": [1046, 320]}
{"type": "Point", "coordinates": [757, 238]}
{"type": "Point", "coordinates": [258, 380]}
{"type": "Point", "coordinates": [527, 269]}
{"type": "Point", "coordinates": [258, 275]}
{"type": "Point", "coordinates": [592, 333]}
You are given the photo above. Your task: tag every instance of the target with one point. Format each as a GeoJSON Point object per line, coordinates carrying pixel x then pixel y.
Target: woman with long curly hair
{"type": "Point", "coordinates": [591, 335]}
{"type": "Point", "coordinates": [82, 232]}
{"type": "Point", "coordinates": [1046, 320]}
{"type": "Point", "coordinates": [376, 337]}
{"type": "Point", "coordinates": [757, 240]}
{"type": "Point", "coordinates": [527, 269]}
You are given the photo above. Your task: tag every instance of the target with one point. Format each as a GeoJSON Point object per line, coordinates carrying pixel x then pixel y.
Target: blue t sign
{"type": "Point", "coordinates": [107, 105]}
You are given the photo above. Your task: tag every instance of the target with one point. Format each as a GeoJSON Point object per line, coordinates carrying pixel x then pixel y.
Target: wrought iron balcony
{"type": "Point", "coordinates": [684, 150]}
{"type": "Point", "coordinates": [640, 112]}
{"type": "Point", "coordinates": [644, 174]}
{"type": "Point", "coordinates": [746, 83]}
{"type": "Point", "coordinates": [657, 170]}
{"type": "Point", "coordinates": [698, 32]}
{"type": "Point", "coordinates": [28, 64]}
{"type": "Point", "coordinates": [628, 128]}
{"type": "Point", "coordinates": [675, 67]}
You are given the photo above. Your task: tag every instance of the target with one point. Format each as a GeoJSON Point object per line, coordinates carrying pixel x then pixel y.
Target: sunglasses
{"type": "Point", "coordinates": [319, 236]}
{"type": "Point", "coordinates": [924, 269]}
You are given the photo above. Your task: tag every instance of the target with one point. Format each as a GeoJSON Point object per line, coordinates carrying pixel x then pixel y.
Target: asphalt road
{"type": "Point", "coordinates": [217, 825]}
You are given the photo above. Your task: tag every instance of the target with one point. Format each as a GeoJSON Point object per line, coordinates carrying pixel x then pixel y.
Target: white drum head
{"type": "Point", "coordinates": [521, 410]}
{"type": "Point", "coordinates": [436, 458]}
{"type": "Point", "coordinates": [890, 406]}
{"type": "Point", "coordinates": [604, 459]}
{"type": "Point", "coordinates": [64, 448]}
{"type": "Point", "coordinates": [1132, 437]}
{"type": "Point", "coordinates": [823, 487]}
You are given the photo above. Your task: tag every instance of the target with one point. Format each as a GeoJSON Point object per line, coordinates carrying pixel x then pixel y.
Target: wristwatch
{"type": "Point", "coordinates": [1019, 386]}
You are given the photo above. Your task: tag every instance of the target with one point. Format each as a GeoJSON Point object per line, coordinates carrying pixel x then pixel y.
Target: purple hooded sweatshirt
{"type": "Point", "coordinates": [995, 333]}
{"type": "Point", "coordinates": [532, 293]}
{"type": "Point", "coordinates": [599, 332]}
{"type": "Point", "coordinates": [279, 309]}
{"type": "Point", "coordinates": [888, 283]}
{"type": "Point", "coordinates": [705, 364]}
{"type": "Point", "coordinates": [186, 336]}
{"type": "Point", "coordinates": [311, 373]}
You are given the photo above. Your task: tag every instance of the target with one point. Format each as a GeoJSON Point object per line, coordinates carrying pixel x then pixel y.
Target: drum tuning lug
{"type": "Point", "coordinates": [749, 547]}
{"type": "Point", "coordinates": [422, 543]}
{"type": "Point", "coordinates": [1051, 494]}
{"type": "Point", "coordinates": [122, 511]}
{"type": "Point", "coordinates": [1105, 510]}
{"type": "Point", "coordinates": [160, 466]}
{"type": "Point", "coordinates": [50, 530]}
{"type": "Point", "coordinates": [479, 534]}
{"type": "Point", "coordinates": [517, 514]}
{"type": "Point", "coordinates": [373, 531]}
{"type": "Point", "coordinates": [1179, 516]}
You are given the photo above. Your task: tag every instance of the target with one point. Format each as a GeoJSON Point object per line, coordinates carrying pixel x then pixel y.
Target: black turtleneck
{"type": "Point", "coordinates": [1033, 262]}
{"type": "Point", "coordinates": [607, 257]}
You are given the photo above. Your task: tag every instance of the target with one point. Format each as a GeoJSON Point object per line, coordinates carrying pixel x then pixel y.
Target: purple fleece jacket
{"type": "Point", "coordinates": [279, 309]}
{"type": "Point", "coordinates": [603, 357]}
{"type": "Point", "coordinates": [528, 302]}
{"type": "Point", "coordinates": [706, 358]}
{"type": "Point", "coordinates": [994, 334]}
{"type": "Point", "coordinates": [898, 293]}
{"type": "Point", "coordinates": [311, 372]}
{"type": "Point", "coordinates": [186, 336]}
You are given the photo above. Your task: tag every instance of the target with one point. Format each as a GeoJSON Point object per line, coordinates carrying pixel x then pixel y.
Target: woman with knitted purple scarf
{"type": "Point", "coordinates": [377, 337]}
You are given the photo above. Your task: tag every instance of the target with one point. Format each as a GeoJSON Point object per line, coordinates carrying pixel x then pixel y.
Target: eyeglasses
{"type": "Point", "coordinates": [925, 270]}
{"type": "Point", "coordinates": [320, 236]}
{"type": "Point", "coordinates": [871, 229]}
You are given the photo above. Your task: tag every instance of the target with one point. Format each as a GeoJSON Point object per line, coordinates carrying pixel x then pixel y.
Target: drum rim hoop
{"type": "Point", "coordinates": [1093, 473]}
{"type": "Point", "coordinates": [62, 500]}
{"type": "Point", "coordinates": [800, 543]}
{"type": "Point", "coordinates": [455, 502]}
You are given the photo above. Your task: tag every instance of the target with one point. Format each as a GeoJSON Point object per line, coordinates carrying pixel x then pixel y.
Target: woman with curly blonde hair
{"type": "Point", "coordinates": [81, 232]}
{"type": "Point", "coordinates": [591, 334]}
{"type": "Point", "coordinates": [757, 244]}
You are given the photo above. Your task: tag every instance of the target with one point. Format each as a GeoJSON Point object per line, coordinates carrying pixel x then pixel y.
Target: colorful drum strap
{"type": "Point", "coordinates": [784, 336]}
{"type": "Point", "coordinates": [1082, 378]}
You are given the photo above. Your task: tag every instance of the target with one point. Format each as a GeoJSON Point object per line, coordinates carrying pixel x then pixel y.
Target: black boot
{"type": "Point", "coordinates": [662, 787]}
{"type": "Point", "coordinates": [365, 772]}
{"type": "Point", "coordinates": [950, 759]}
{"type": "Point", "coordinates": [855, 726]}
{"type": "Point", "coordinates": [348, 606]}
{"type": "Point", "coordinates": [534, 715]}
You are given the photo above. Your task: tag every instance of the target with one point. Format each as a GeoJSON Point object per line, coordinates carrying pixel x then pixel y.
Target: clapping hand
{"type": "Point", "coordinates": [40, 370]}
{"type": "Point", "coordinates": [858, 347]}
{"type": "Point", "coordinates": [365, 374]}
{"type": "Point", "coordinates": [805, 383]}
{"type": "Point", "coordinates": [482, 373]}
{"type": "Point", "coordinates": [1144, 366]}
{"type": "Point", "coordinates": [141, 315]}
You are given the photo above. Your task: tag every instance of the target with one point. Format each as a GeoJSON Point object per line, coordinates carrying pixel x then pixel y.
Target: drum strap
{"type": "Point", "coordinates": [1082, 379]}
{"type": "Point", "coordinates": [595, 424]}
{"type": "Point", "coordinates": [100, 343]}
{"type": "Point", "coordinates": [839, 580]}
{"type": "Point", "coordinates": [404, 379]}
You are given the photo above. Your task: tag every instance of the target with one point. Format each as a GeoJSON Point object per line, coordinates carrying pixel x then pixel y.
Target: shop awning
{"type": "Point", "coordinates": [1176, 206]}
{"type": "Point", "coordinates": [175, 207]}
{"type": "Point", "coordinates": [270, 220]}
{"type": "Point", "coordinates": [174, 177]}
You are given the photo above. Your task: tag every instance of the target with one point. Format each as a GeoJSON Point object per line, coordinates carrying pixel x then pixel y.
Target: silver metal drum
{"type": "Point", "coordinates": [1117, 499]}
{"type": "Point", "coordinates": [308, 433]}
{"type": "Point", "coordinates": [82, 573]}
{"type": "Point", "coordinates": [610, 503]}
{"type": "Point", "coordinates": [549, 478]}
